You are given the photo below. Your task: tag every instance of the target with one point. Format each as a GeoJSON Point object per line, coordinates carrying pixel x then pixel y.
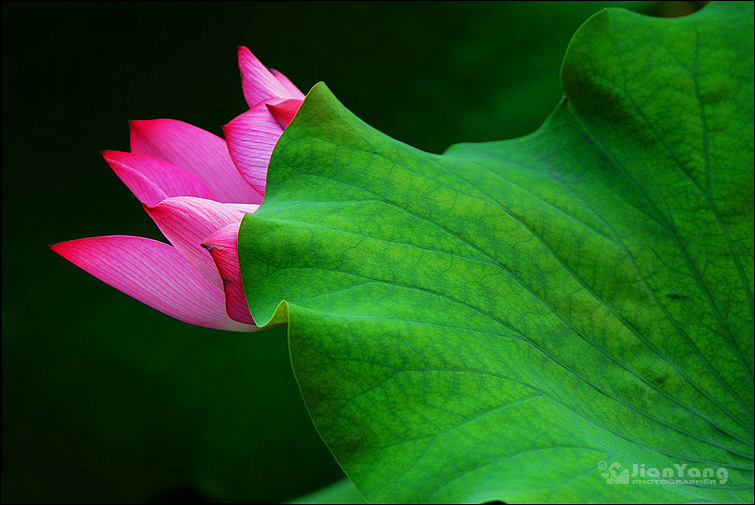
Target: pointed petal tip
{"type": "Point", "coordinates": [146, 125]}
{"type": "Point", "coordinates": [136, 124]}
{"type": "Point", "coordinates": [284, 112]}
{"type": "Point", "coordinates": [159, 208]}
{"type": "Point", "coordinates": [246, 55]}
{"type": "Point", "coordinates": [59, 247]}
{"type": "Point", "coordinates": [110, 154]}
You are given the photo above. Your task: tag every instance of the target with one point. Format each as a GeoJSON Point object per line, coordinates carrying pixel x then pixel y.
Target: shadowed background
{"type": "Point", "coordinates": [105, 399]}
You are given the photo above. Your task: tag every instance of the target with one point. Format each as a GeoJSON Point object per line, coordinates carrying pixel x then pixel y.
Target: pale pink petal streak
{"type": "Point", "coordinates": [223, 246]}
{"type": "Point", "coordinates": [196, 151]}
{"type": "Point", "coordinates": [154, 273]}
{"type": "Point", "coordinates": [251, 138]}
{"type": "Point", "coordinates": [293, 91]}
{"type": "Point", "coordinates": [257, 81]}
{"type": "Point", "coordinates": [153, 180]}
{"type": "Point", "coordinates": [285, 111]}
{"type": "Point", "coordinates": [187, 221]}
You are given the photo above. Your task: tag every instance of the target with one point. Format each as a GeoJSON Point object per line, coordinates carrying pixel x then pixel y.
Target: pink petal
{"type": "Point", "coordinates": [285, 111]}
{"type": "Point", "coordinates": [186, 221]}
{"type": "Point", "coordinates": [251, 138]}
{"type": "Point", "coordinates": [258, 82]}
{"type": "Point", "coordinates": [196, 151]}
{"type": "Point", "coordinates": [155, 274]}
{"type": "Point", "coordinates": [153, 180]}
{"type": "Point", "coordinates": [293, 91]}
{"type": "Point", "coordinates": [223, 246]}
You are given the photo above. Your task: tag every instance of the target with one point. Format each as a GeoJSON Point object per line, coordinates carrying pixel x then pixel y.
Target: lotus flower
{"type": "Point", "coordinates": [197, 192]}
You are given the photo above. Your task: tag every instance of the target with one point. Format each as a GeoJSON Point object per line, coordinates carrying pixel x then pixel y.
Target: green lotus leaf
{"type": "Point", "coordinates": [532, 320]}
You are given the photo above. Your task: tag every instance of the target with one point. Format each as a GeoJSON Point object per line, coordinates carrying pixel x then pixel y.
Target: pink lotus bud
{"type": "Point", "coordinates": [188, 183]}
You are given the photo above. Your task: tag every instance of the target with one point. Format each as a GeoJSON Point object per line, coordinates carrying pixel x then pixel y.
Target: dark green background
{"type": "Point", "coordinates": [105, 399]}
